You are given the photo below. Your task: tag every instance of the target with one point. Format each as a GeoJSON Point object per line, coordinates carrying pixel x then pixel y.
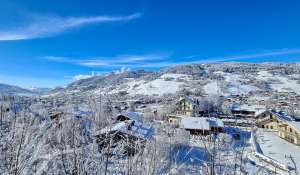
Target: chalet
{"type": "Point", "coordinates": [267, 120]}
{"type": "Point", "coordinates": [126, 136]}
{"type": "Point", "coordinates": [290, 131]}
{"type": "Point", "coordinates": [243, 113]}
{"type": "Point", "coordinates": [188, 106]}
{"type": "Point", "coordinates": [201, 125]}
{"type": "Point", "coordinates": [270, 119]}
{"type": "Point", "coordinates": [288, 128]}
{"type": "Point", "coordinates": [246, 111]}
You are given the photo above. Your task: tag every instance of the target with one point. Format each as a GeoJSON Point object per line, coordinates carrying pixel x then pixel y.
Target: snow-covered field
{"type": "Point", "coordinates": [236, 85]}
{"type": "Point", "coordinates": [280, 83]}
{"type": "Point", "coordinates": [232, 84]}
{"type": "Point", "coordinates": [157, 87]}
{"type": "Point", "coordinates": [181, 76]}
{"type": "Point", "coordinates": [167, 83]}
{"type": "Point", "coordinates": [275, 147]}
{"type": "Point", "coordinates": [212, 88]}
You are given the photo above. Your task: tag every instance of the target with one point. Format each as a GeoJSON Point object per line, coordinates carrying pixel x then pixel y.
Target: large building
{"type": "Point", "coordinates": [290, 131]}
{"type": "Point", "coordinates": [268, 119]}
{"type": "Point", "coordinates": [285, 125]}
{"type": "Point", "coordinates": [186, 107]}
{"type": "Point", "coordinates": [189, 106]}
{"type": "Point", "coordinates": [246, 111]}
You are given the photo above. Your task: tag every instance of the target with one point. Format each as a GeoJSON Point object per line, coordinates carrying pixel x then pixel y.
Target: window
{"type": "Point", "coordinates": [291, 130]}
{"type": "Point", "coordinates": [271, 127]}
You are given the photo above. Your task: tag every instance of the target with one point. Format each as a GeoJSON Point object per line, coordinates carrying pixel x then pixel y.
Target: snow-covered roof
{"type": "Point", "coordinates": [190, 99]}
{"type": "Point", "coordinates": [215, 122]}
{"type": "Point", "coordinates": [258, 109]}
{"type": "Point", "coordinates": [282, 116]}
{"type": "Point", "coordinates": [136, 116]}
{"type": "Point", "coordinates": [202, 123]}
{"type": "Point", "coordinates": [137, 129]}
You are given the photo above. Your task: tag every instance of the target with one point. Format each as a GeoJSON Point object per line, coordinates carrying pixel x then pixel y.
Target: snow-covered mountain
{"type": "Point", "coordinates": [15, 90]}
{"type": "Point", "coordinates": [206, 79]}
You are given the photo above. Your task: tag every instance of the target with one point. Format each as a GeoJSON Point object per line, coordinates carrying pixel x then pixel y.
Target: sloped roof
{"type": "Point", "coordinates": [216, 122]}
{"type": "Point", "coordinates": [190, 99]}
{"type": "Point", "coordinates": [258, 109]}
{"type": "Point", "coordinates": [136, 116]}
{"type": "Point", "coordinates": [282, 116]}
{"type": "Point", "coordinates": [202, 123]}
{"type": "Point", "coordinates": [137, 129]}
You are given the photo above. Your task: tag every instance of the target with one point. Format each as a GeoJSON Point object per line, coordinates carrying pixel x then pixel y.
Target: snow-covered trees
{"type": "Point", "coordinates": [34, 143]}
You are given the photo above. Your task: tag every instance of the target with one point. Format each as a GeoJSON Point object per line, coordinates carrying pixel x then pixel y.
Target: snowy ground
{"type": "Point", "coordinates": [181, 76]}
{"type": "Point", "coordinates": [279, 83]}
{"type": "Point", "coordinates": [167, 83]}
{"type": "Point", "coordinates": [275, 147]}
{"type": "Point", "coordinates": [236, 86]}
{"type": "Point", "coordinates": [212, 88]}
{"type": "Point", "coordinates": [157, 87]}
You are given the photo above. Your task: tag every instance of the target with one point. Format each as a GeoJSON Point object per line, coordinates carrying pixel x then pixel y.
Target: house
{"type": "Point", "coordinates": [201, 125]}
{"type": "Point", "coordinates": [290, 131]}
{"type": "Point", "coordinates": [126, 136]}
{"type": "Point", "coordinates": [188, 106]}
{"type": "Point", "coordinates": [270, 119]}
{"type": "Point", "coordinates": [286, 126]}
{"type": "Point", "coordinates": [246, 111]}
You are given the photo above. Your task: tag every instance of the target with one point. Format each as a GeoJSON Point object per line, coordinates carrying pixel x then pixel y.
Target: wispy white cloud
{"type": "Point", "coordinates": [117, 61]}
{"type": "Point", "coordinates": [52, 25]}
{"type": "Point", "coordinates": [163, 60]}
{"type": "Point", "coordinates": [122, 60]}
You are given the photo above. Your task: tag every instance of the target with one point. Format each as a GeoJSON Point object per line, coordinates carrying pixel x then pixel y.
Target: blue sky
{"type": "Point", "coordinates": [47, 43]}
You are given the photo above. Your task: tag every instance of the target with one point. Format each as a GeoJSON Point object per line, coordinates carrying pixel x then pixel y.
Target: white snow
{"type": "Point", "coordinates": [279, 149]}
{"type": "Point", "coordinates": [157, 87]}
{"type": "Point", "coordinates": [257, 108]}
{"type": "Point", "coordinates": [200, 123]}
{"type": "Point", "coordinates": [286, 85]}
{"type": "Point", "coordinates": [236, 86]}
{"type": "Point", "coordinates": [182, 76]}
{"type": "Point", "coordinates": [280, 83]}
{"type": "Point", "coordinates": [212, 88]}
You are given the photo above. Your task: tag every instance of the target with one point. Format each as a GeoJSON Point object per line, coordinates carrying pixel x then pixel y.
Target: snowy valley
{"type": "Point", "coordinates": [222, 118]}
